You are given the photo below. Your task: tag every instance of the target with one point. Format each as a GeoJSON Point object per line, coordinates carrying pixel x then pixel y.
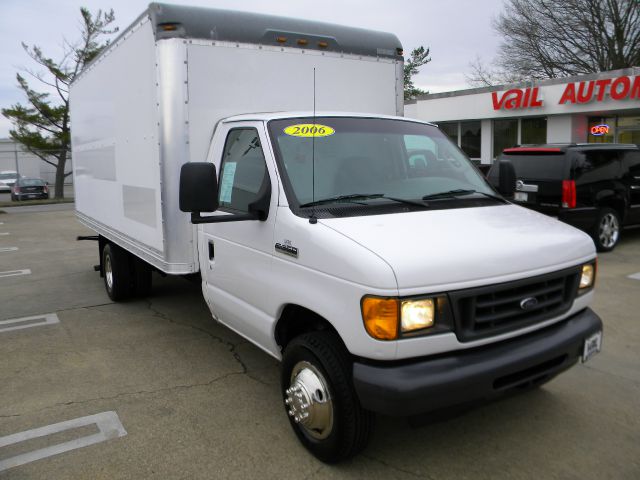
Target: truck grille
{"type": "Point", "coordinates": [495, 309]}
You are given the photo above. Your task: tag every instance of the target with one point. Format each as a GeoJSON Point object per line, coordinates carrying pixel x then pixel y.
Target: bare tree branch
{"type": "Point", "coordinates": [558, 38]}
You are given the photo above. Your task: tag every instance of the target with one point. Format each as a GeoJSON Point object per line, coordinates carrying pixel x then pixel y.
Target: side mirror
{"type": "Point", "coordinates": [506, 178]}
{"type": "Point", "coordinates": [198, 187]}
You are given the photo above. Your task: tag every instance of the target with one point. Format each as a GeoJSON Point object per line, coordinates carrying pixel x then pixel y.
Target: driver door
{"type": "Point", "coordinates": [236, 256]}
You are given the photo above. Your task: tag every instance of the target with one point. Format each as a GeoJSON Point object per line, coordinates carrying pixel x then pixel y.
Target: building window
{"type": "Point", "coordinates": [470, 138]}
{"type": "Point", "coordinates": [505, 135]}
{"type": "Point", "coordinates": [451, 130]}
{"type": "Point", "coordinates": [533, 130]}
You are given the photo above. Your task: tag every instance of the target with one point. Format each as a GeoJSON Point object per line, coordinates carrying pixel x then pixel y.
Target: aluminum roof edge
{"type": "Point", "coordinates": [246, 27]}
{"type": "Point", "coordinates": [631, 71]}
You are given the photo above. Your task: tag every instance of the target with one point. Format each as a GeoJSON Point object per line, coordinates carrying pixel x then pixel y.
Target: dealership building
{"type": "Point", "coordinates": [595, 108]}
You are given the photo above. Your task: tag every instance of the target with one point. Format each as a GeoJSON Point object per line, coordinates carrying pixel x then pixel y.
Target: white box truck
{"type": "Point", "coordinates": [362, 249]}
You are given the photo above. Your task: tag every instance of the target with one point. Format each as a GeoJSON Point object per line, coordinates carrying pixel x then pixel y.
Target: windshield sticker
{"type": "Point", "coordinates": [226, 185]}
{"type": "Point", "coordinates": [309, 130]}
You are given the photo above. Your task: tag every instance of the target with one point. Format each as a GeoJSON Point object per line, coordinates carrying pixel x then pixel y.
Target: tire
{"type": "Point", "coordinates": [317, 381]}
{"type": "Point", "coordinates": [116, 270]}
{"type": "Point", "coordinates": [606, 233]}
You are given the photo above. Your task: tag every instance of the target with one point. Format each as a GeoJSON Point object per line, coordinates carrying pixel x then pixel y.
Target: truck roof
{"type": "Point", "coordinates": [266, 116]}
{"type": "Point", "coordinates": [179, 21]}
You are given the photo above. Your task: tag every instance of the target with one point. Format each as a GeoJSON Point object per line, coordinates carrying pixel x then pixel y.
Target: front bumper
{"type": "Point", "coordinates": [476, 375]}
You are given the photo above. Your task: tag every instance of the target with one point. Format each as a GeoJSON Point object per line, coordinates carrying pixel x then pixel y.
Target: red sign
{"type": "Point", "coordinates": [620, 88]}
{"type": "Point", "coordinates": [517, 98]}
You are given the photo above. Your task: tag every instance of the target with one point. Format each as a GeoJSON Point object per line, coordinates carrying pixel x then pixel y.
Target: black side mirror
{"type": "Point", "coordinates": [506, 178]}
{"type": "Point", "coordinates": [198, 187]}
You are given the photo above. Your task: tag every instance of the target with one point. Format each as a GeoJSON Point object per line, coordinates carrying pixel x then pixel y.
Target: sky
{"type": "Point", "coordinates": [456, 31]}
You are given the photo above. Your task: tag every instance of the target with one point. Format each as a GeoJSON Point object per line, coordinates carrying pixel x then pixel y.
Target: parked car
{"type": "Point", "coordinates": [29, 188]}
{"type": "Point", "coordinates": [7, 179]}
{"type": "Point", "coordinates": [594, 187]}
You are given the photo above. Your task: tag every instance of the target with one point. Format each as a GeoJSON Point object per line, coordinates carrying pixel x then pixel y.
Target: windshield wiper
{"type": "Point", "coordinates": [461, 192]}
{"type": "Point", "coordinates": [362, 196]}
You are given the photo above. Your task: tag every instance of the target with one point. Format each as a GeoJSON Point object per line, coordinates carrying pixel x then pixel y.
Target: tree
{"type": "Point", "coordinates": [419, 57]}
{"type": "Point", "coordinates": [43, 125]}
{"type": "Point", "coordinates": [560, 38]}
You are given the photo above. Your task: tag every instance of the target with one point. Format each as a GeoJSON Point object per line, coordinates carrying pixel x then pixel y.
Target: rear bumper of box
{"type": "Point", "coordinates": [476, 375]}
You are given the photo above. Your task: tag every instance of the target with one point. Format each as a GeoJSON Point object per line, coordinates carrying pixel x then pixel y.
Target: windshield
{"type": "Point", "coordinates": [367, 161]}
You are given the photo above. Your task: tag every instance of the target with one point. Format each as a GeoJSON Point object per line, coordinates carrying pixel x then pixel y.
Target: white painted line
{"type": "Point", "coordinates": [635, 276]}
{"type": "Point", "coordinates": [28, 322]}
{"type": "Point", "coordinates": [3, 233]}
{"type": "Point", "coordinates": [107, 422]}
{"type": "Point", "coordinates": [13, 273]}
{"type": "Point", "coordinates": [8, 249]}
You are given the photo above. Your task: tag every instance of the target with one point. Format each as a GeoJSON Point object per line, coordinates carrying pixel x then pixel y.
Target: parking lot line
{"type": "Point", "coordinates": [8, 249]}
{"type": "Point", "coordinates": [108, 424]}
{"type": "Point", "coordinates": [4, 233]}
{"type": "Point", "coordinates": [13, 273]}
{"type": "Point", "coordinates": [635, 276]}
{"type": "Point", "coordinates": [28, 322]}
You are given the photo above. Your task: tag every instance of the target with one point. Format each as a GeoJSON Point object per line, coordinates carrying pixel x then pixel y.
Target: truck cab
{"type": "Point", "coordinates": [371, 257]}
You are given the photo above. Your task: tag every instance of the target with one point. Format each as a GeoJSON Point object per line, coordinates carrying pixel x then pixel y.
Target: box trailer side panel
{"type": "Point", "coordinates": [115, 142]}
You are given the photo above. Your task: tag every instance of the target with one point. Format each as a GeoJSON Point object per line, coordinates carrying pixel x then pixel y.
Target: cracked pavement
{"type": "Point", "coordinates": [198, 401]}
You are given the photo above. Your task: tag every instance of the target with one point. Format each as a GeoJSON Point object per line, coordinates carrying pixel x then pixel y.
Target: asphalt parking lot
{"type": "Point", "coordinates": [179, 396]}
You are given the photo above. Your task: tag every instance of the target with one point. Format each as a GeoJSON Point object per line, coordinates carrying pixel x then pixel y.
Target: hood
{"type": "Point", "coordinates": [465, 247]}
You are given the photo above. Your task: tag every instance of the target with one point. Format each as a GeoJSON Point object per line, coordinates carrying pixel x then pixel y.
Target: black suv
{"type": "Point", "coordinates": [594, 187]}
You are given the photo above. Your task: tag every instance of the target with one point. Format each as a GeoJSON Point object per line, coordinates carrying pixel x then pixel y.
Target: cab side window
{"type": "Point", "coordinates": [243, 170]}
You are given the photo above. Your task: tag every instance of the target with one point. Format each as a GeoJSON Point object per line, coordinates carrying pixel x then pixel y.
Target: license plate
{"type": "Point", "coordinates": [592, 345]}
{"type": "Point", "coordinates": [32, 196]}
{"type": "Point", "coordinates": [520, 196]}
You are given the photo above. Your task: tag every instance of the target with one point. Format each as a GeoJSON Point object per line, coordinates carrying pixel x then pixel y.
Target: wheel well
{"type": "Point", "coordinates": [296, 320]}
{"type": "Point", "coordinates": [613, 202]}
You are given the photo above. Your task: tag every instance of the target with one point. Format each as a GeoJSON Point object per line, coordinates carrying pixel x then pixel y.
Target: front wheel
{"type": "Point", "coordinates": [320, 400]}
{"type": "Point", "coordinates": [607, 230]}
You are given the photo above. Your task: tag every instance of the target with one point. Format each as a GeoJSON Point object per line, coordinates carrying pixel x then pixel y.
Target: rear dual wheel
{"type": "Point", "coordinates": [124, 274]}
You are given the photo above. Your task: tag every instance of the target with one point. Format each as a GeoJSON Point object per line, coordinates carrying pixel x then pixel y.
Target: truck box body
{"type": "Point", "coordinates": [151, 101]}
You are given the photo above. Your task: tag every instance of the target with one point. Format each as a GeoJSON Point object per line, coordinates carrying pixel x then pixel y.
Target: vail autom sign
{"type": "Point", "coordinates": [621, 88]}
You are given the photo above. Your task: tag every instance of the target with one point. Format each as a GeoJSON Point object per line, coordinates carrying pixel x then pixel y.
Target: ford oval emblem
{"type": "Point", "coordinates": [528, 303]}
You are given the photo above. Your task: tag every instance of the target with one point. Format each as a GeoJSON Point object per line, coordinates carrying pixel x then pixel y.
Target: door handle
{"type": "Point", "coordinates": [635, 187]}
{"type": "Point", "coordinates": [211, 250]}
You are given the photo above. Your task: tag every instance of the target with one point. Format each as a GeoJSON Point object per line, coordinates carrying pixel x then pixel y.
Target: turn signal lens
{"type": "Point", "coordinates": [417, 314]}
{"type": "Point", "coordinates": [588, 276]}
{"type": "Point", "coordinates": [380, 317]}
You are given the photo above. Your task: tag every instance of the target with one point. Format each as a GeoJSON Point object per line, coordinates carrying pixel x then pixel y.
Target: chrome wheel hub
{"type": "Point", "coordinates": [308, 401]}
{"type": "Point", "coordinates": [609, 230]}
{"type": "Point", "coordinates": [108, 272]}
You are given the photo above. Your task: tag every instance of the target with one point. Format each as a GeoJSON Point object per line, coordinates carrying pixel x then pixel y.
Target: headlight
{"type": "Point", "coordinates": [417, 314]}
{"type": "Point", "coordinates": [587, 277]}
{"type": "Point", "coordinates": [390, 318]}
